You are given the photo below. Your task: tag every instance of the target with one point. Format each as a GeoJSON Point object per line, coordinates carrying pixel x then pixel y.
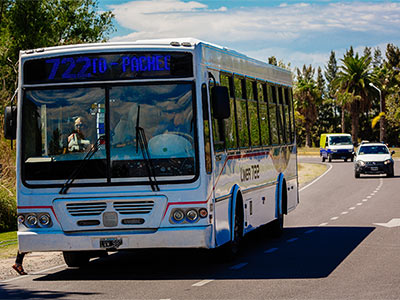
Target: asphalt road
{"type": "Point", "coordinates": [342, 242]}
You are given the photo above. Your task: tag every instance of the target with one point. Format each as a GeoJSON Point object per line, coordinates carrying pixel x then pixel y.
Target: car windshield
{"type": "Point", "coordinates": [61, 125]}
{"type": "Point", "coordinates": [340, 140]}
{"type": "Point", "coordinates": [373, 150]}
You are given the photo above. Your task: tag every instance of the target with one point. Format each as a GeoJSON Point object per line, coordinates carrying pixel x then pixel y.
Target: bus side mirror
{"type": "Point", "coordinates": [10, 122]}
{"type": "Point", "coordinates": [220, 102]}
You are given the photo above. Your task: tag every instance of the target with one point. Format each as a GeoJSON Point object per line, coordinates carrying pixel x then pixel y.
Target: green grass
{"type": "Point", "coordinates": [10, 250]}
{"type": "Point", "coordinates": [5, 236]}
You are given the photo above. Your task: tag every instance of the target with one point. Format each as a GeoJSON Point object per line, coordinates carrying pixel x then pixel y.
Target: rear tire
{"type": "Point", "coordinates": [76, 259]}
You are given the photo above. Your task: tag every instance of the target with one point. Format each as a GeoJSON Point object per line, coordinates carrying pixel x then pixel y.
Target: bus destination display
{"type": "Point", "coordinates": [119, 66]}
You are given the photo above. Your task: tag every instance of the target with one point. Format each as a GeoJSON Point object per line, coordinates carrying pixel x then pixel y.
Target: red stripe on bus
{"type": "Point", "coordinates": [40, 207]}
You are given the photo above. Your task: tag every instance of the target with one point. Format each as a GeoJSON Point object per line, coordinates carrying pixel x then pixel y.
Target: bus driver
{"type": "Point", "coordinates": [76, 140]}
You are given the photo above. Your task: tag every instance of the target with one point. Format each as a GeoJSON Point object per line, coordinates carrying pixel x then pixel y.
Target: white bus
{"type": "Point", "coordinates": [150, 144]}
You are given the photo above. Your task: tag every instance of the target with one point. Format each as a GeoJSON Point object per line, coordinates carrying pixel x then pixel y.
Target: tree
{"type": "Point", "coordinates": [43, 23]}
{"type": "Point", "coordinates": [307, 97]}
{"type": "Point", "coordinates": [354, 78]}
{"type": "Point", "coordinates": [330, 75]}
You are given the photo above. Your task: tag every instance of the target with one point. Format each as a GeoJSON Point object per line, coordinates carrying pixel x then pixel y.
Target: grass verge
{"type": "Point", "coordinates": [9, 250]}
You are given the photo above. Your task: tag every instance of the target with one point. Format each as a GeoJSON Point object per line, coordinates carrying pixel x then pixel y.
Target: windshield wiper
{"type": "Point", "coordinates": [76, 171]}
{"type": "Point", "coordinates": [144, 147]}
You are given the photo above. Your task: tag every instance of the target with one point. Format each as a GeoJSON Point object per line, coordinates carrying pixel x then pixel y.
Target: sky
{"type": "Point", "coordinates": [296, 32]}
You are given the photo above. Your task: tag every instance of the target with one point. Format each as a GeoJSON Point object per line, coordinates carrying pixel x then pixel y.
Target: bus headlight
{"type": "Point", "coordinates": [192, 215]}
{"type": "Point", "coordinates": [35, 220]}
{"type": "Point", "coordinates": [31, 221]}
{"type": "Point", "coordinates": [178, 215]}
{"type": "Point", "coordinates": [44, 220]}
{"type": "Point", "coordinates": [21, 219]}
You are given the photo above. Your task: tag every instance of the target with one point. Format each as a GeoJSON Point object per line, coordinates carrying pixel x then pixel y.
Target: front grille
{"type": "Point", "coordinates": [134, 207]}
{"type": "Point", "coordinates": [375, 164]}
{"type": "Point", "coordinates": [86, 209]}
{"type": "Point", "coordinates": [343, 151]}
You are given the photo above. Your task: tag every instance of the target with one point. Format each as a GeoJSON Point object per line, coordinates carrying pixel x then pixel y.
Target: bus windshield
{"type": "Point", "coordinates": [60, 125]}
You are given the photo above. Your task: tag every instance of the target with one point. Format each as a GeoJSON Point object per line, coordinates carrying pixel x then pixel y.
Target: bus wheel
{"type": "Point", "coordinates": [76, 259]}
{"type": "Point", "coordinates": [231, 250]}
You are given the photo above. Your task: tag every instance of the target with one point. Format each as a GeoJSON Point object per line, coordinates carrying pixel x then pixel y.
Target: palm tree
{"type": "Point", "coordinates": [307, 96]}
{"type": "Point", "coordinates": [354, 78]}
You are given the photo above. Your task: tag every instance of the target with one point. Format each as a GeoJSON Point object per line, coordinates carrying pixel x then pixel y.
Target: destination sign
{"type": "Point", "coordinates": [138, 65]}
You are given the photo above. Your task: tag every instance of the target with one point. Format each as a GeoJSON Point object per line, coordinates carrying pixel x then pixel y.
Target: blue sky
{"type": "Point", "coordinates": [299, 32]}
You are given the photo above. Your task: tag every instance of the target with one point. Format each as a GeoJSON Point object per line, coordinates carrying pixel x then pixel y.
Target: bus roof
{"type": "Point", "coordinates": [213, 56]}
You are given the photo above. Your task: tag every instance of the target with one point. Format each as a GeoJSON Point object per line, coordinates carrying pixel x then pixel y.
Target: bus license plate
{"type": "Point", "coordinates": [110, 243]}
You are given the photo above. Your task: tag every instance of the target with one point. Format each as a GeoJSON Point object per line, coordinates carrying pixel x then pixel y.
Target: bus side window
{"type": "Point", "coordinates": [206, 125]}
{"type": "Point", "coordinates": [273, 115]}
{"type": "Point", "coordinates": [230, 123]}
{"type": "Point", "coordinates": [241, 111]}
{"type": "Point", "coordinates": [251, 89]}
{"type": "Point", "coordinates": [217, 129]}
{"type": "Point", "coordinates": [292, 114]}
{"type": "Point", "coordinates": [282, 115]}
{"type": "Point", "coordinates": [287, 108]}
{"type": "Point", "coordinates": [263, 114]}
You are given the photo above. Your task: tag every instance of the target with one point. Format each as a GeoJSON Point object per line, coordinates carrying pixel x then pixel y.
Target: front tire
{"type": "Point", "coordinates": [356, 174]}
{"type": "Point", "coordinates": [76, 259]}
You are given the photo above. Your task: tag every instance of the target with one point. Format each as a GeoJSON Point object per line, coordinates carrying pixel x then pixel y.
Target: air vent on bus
{"type": "Point", "coordinates": [134, 207]}
{"type": "Point", "coordinates": [86, 209]}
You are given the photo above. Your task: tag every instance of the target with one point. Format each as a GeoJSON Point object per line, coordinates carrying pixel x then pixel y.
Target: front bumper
{"type": "Point", "coordinates": [189, 237]}
{"type": "Point", "coordinates": [374, 168]}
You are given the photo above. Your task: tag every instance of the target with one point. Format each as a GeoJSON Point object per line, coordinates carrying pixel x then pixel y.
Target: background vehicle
{"type": "Point", "coordinates": [186, 144]}
{"type": "Point", "coordinates": [336, 146]}
{"type": "Point", "coordinates": [373, 158]}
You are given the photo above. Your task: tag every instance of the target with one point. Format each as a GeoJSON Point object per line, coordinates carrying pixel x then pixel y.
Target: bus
{"type": "Point", "coordinates": [168, 143]}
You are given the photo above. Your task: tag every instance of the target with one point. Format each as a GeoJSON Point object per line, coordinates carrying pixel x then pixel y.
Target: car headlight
{"type": "Point", "coordinates": [361, 163]}
{"type": "Point", "coordinates": [388, 161]}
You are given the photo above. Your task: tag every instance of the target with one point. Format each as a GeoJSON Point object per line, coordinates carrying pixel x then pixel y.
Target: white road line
{"type": "Point", "coordinates": [369, 197]}
{"type": "Point", "coordinates": [315, 180]}
{"type": "Point", "coordinates": [364, 200]}
{"type": "Point", "coordinates": [292, 240]}
{"type": "Point", "coordinates": [239, 266]}
{"type": "Point", "coordinates": [359, 203]}
{"type": "Point", "coordinates": [334, 218]}
{"type": "Point", "coordinates": [344, 213]}
{"type": "Point", "coordinates": [323, 224]}
{"type": "Point", "coordinates": [309, 231]}
{"type": "Point", "coordinates": [271, 250]}
{"type": "Point", "coordinates": [203, 282]}
{"type": "Point", "coordinates": [352, 207]}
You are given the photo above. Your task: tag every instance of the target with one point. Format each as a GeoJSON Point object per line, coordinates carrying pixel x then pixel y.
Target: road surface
{"type": "Point", "coordinates": [342, 242]}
